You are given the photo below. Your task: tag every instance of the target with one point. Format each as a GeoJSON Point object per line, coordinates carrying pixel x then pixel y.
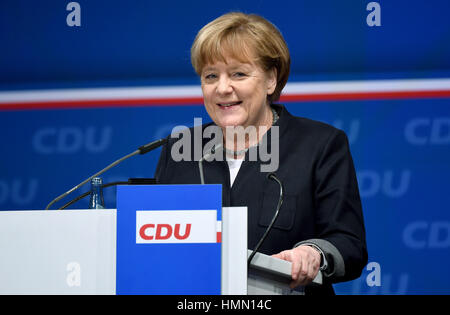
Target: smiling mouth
{"type": "Point", "coordinates": [229, 104]}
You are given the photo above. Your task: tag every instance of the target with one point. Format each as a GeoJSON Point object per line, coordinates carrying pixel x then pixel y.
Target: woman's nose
{"type": "Point", "coordinates": [224, 85]}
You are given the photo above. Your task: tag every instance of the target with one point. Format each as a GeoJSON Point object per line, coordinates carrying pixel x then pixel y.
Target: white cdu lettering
{"type": "Point", "coordinates": [423, 131]}
{"type": "Point", "coordinates": [421, 234]}
{"type": "Point", "coordinates": [70, 140]}
{"type": "Point", "coordinates": [18, 191]}
{"type": "Point", "coordinates": [372, 182]}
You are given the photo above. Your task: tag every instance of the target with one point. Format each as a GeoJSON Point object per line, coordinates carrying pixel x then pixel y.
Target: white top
{"type": "Point", "coordinates": [234, 165]}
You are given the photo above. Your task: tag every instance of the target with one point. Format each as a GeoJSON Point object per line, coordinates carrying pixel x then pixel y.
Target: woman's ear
{"type": "Point", "coordinates": [271, 80]}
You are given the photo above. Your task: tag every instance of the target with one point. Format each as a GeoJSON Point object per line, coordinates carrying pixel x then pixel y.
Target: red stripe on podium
{"type": "Point", "coordinates": [219, 237]}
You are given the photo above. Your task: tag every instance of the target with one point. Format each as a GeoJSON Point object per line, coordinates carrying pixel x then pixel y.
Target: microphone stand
{"type": "Point", "coordinates": [142, 150]}
{"type": "Point", "coordinates": [207, 155]}
{"type": "Point", "coordinates": [277, 212]}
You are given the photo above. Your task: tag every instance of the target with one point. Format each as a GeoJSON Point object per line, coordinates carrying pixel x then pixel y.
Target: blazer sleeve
{"type": "Point", "coordinates": [339, 218]}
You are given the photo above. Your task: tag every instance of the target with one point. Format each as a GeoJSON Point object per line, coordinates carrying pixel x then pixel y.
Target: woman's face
{"type": "Point", "coordinates": [235, 93]}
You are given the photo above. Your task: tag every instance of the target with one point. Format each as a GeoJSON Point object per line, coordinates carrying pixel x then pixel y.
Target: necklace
{"type": "Point", "coordinates": [275, 118]}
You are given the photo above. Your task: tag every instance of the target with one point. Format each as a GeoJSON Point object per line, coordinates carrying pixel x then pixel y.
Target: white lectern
{"type": "Point", "coordinates": [74, 252]}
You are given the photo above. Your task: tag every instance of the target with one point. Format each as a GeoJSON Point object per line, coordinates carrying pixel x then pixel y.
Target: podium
{"type": "Point", "coordinates": [74, 252]}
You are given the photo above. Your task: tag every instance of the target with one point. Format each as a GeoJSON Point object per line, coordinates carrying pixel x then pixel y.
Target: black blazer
{"type": "Point", "coordinates": [321, 192]}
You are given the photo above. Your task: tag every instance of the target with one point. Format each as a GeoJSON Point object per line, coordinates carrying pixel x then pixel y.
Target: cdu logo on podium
{"type": "Point", "coordinates": [169, 239]}
{"type": "Point", "coordinates": [179, 226]}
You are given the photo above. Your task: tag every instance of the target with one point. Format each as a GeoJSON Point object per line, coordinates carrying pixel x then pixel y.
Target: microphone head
{"type": "Point", "coordinates": [151, 146]}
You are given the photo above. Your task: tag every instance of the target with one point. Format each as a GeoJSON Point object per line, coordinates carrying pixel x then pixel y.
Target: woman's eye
{"type": "Point", "coordinates": [210, 76]}
{"type": "Point", "coordinates": [239, 74]}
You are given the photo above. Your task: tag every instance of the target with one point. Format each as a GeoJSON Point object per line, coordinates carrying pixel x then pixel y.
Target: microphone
{"type": "Point", "coordinates": [141, 150]}
{"type": "Point", "coordinates": [204, 157]}
{"type": "Point", "coordinates": [151, 146]}
{"type": "Point", "coordinates": [271, 176]}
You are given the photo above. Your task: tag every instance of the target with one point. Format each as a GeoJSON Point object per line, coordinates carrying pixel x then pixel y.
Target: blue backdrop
{"type": "Point", "coordinates": [400, 145]}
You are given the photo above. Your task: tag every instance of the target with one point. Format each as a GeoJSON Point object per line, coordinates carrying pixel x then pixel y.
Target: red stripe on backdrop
{"type": "Point", "coordinates": [188, 101]}
{"type": "Point", "coordinates": [364, 96]}
{"type": "Point", "coordinates": [102, 103]}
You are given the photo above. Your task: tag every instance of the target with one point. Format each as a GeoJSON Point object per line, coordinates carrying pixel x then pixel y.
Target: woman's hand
{"type": "Point", "coordinates": [305, 264]}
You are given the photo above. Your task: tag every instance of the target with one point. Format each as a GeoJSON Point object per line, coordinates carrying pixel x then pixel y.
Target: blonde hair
{"type": "Point", "coordinates": [244, 37]}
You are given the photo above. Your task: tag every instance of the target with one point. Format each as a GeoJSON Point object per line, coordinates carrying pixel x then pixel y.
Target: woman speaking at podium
{"type": "Point", "coordinates": [244, 63]}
